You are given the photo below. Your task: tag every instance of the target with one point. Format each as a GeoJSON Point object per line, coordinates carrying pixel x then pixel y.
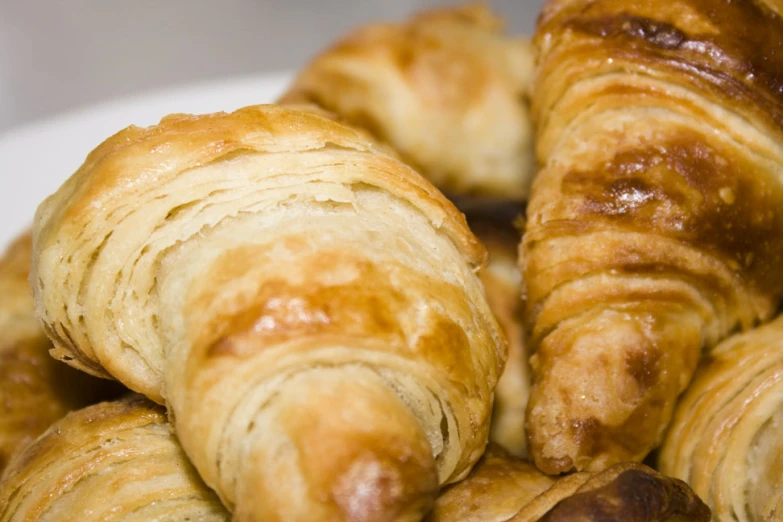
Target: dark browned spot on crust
{"type": "Point", "coordinates": [660, 34]}
{"type": "Point", "coordinates": [643, 367]}
{"type": "Point", "coordinates": [685, 189]}
{"type": "Point", "coordinates": [364, 309]}
{"type": "Point", "coordinates": [634, 496]}
{"type": "Point", "coordinates": [448, 342]}
{"type": "Point", "coordinates": [284, 311]}
{"type": "Point", "coordinates": [585, 432]}
{"type": "Point", "coordinates": [744, 57]}
{"type": "Point", "coordinates": [369, 305]}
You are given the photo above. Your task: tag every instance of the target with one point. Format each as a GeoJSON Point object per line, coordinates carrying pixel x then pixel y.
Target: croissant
{"type": "Point", "coordinates": [35, 390]}
{"type": "Point", "coordinates": [503, 287]}
{"type": "Point", "coordinates": [446, 89]}
{"type": "Point", "coordinates": [306, 305]}
{"type": "Point", "coordinates": [504, 489]}
{"type": "Point", "coordinates": [113, 461]}
{"type": "Point", "coordinates": [726, 439]}
{"type": "Point", "coordinates": [655, 225]}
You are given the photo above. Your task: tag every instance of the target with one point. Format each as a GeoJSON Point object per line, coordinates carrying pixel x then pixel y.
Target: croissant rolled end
{"type": "Point", "coordinates": [362, 456]}
{"type": "Point", "coordinates": [376, 488]}
{"type": "Point", "coordinates": [374, 460]}
{"type": "Point", "coordinates": [607, 384]}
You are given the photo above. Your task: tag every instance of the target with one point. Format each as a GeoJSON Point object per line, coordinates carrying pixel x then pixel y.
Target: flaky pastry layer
{"type": "Point", "coordinates": [446, 89]}
{"type": "Point", "coordinates": [655, 226]}
{"type": "Point", "coordinates": [726, 439]}
{"type": "Point", "coordinates": [305, 304]}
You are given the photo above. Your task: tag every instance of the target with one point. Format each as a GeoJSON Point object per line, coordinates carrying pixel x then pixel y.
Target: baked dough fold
{"type": "Point", "coordinates": [504, 489]}
{"type": "Point", "coordinates": [35, 389]}
{"type": "Point", "coordinates": [726, 439]}
{"type": "Point", "coordinates": [113, 461]}
{"type": "Point", "coordinates": [655, 226]}
{"type": "Point", "coordinates": [306, 305]}
{"type": "Point", "coordinates": [446, 89]}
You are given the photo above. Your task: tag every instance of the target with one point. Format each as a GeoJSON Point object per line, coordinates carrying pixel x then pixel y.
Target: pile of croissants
{"type": "Point", "coordinates": [277, 315]}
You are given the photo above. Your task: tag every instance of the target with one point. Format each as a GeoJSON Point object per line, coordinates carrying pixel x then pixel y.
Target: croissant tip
{"type": "Point", "coordinates": [373, 489]}
{"type": "Point", "coordinates": [555, 465]}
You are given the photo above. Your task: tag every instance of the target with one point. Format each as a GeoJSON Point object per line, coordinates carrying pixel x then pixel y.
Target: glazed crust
{"type": "Point", "coordinates": [446, 89]}
{"type": "Point", "coordinates": [631, 493]}
{"type": "Point", "coordinates": [306, 305]}
{"type": "Point", "coordinates": [35, 390]}
{"type": "Point", "coordinates": [501, 488]}
{"type": "Point", "coordinates": [114, 461]}
{"type": "Point", "coordinates": [655, 226]}
{"type": "Point", "coordinates": [726, 439]}
{"type": "Point", "coordinates": [503, 286]}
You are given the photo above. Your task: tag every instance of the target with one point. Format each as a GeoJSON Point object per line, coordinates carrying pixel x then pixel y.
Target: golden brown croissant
{"type": "Point", "coordinates": [35, 390]}
{"type": "Point", "coordinates": [307, 306]}
{"type": "Point", "coordinates": [17, 320]}
{"type": "Point", "coordinates": [446, 89]}
{"type": "Point", "coordinates": [115, 461]}
{"type": "Point", "coordinates": [503, 286]}
{"type": "Point", "coordinates": [726, 439]}
{"type": "Point", "coordinates": [503, 489]}
{"type": "Point", "coordinates": [655, 227]}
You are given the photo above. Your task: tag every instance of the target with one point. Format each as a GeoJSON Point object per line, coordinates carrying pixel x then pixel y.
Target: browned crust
{"type": "Point", "coordinates": [117, 456]}
{"type": "Point", "coordinates": [655, 226]}
{"type": "Point", "coordinates": [726, 438]}
{"type": "Point", "coordinates": [16, 303]}
{"type": "Point", "coordinates": [183, 141]}
{"type": "Point", "coordinates": [732, 49]}
{"type": "Point", "coordinates": [135, 159]}
{"type": "Point", "coordinates": [420, 85]}
{"type": "Point", "coordinates": [498, 487]}
{"type": "Point", "coordinates": [293, 349]}
{"type": "Point", "coordinates": [504, 489]}
{"type": "Point", "coordinates": [35, 389]}
{"type": "Point", "coordinates": [631, 494]}
{"type": "Point", "coordinates": [688, 189]}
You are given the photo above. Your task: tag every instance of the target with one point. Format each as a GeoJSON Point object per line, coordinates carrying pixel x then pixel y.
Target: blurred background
{"type": "Point", "coordinates": [58, 56]}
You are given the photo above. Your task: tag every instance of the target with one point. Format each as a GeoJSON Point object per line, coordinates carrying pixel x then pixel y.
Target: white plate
{"type": "Point", "coordinates": [36, 159]}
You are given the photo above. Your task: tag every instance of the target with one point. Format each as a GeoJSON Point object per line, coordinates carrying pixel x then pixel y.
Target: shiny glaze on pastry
{"type": "Point", "coordinates": [306, 305]}
{"type": "Point", "coordinates": [504, 489]}
{"type": "Point", "coordinates": [114, 461]}
{"type": "Point", "coordinates": [726, 439]}
{"type": "Point", "coordinates": [655, 227]}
